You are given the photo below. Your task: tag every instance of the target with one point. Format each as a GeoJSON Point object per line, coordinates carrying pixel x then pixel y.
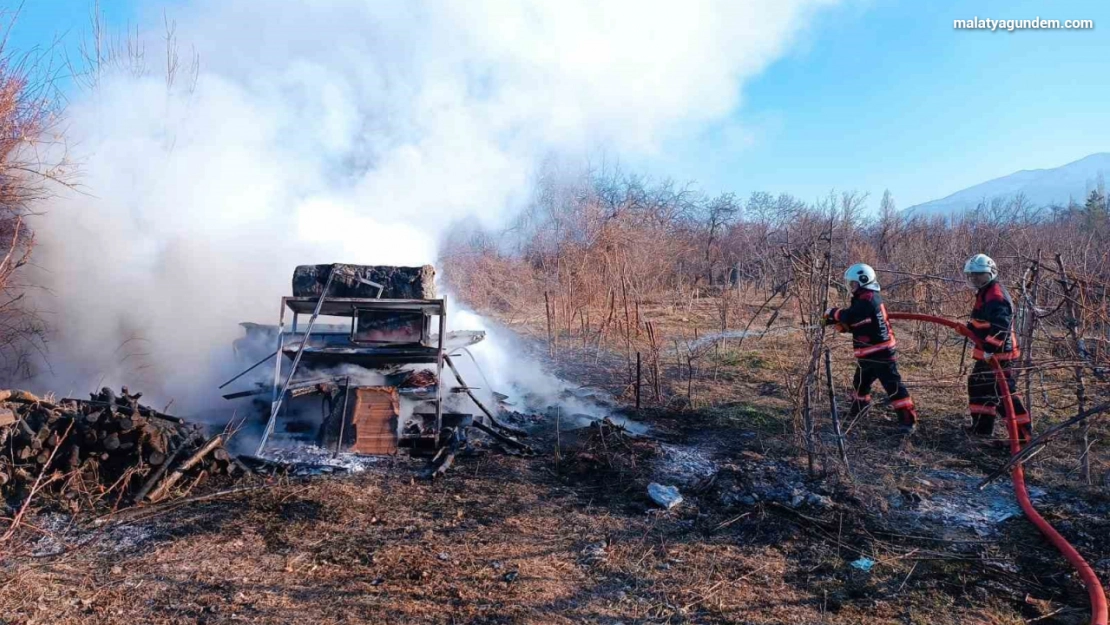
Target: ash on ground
{"type": "Point", "coordinates": [750, 479]}
{"type": "Point", "coordinates": [60, 534]}
{"type": "Point", "coordinates": [683, 465]}
{"type": "Point", "coordinates": [310, 459]}
{"type": "Point", "coordinates": [952, 500]}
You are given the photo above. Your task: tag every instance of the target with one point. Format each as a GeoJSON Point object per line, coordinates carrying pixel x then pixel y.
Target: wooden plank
{"type": "Point", "coordinates": [374, 419]}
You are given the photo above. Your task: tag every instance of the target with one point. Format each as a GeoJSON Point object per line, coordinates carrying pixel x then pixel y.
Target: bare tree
{"type": "Point", "coordinates": [32, 166]}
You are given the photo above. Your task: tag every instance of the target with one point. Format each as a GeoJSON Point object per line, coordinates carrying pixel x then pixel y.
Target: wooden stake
{"type": "Point", "coordinates": [638, 380]}
{"type": "Point", "coordinates": [833, 410]}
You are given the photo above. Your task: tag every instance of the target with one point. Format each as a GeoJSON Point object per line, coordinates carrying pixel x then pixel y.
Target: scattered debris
{"type": "Point", "coordinates": [752, 479]}
{"type": "Point", "coordinates": [819, 501]}
{"type": "Point", "coordinates": [864, 564]}
{"type": "Point", "coordinates": [604, 453]}
{"type": "Point", "coordinates": [666, 496]}
{"type": "Point", "coordinates": [594, 553]}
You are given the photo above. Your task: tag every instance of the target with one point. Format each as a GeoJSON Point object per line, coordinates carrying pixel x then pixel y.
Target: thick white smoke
{"type": "Point", "coordinates": [345, 131]}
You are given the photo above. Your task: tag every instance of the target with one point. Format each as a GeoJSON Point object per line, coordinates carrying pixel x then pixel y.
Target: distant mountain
{"type": "Point", "coordinates": [1041, 187]}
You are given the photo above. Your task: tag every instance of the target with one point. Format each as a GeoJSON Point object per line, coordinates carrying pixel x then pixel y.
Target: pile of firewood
{"type": "Point", "coordinates": [107, 450]}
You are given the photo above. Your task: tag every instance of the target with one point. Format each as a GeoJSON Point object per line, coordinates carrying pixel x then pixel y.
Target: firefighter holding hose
{"type": "Point", "coordinates": [992, 321]}
{"type": "Point", "coordinates": [874, 346]}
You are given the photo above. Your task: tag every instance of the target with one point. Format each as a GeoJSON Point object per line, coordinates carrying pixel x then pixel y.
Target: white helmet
{"type": "Point", "coordinates": [980, 270]}
{"type": "Point", "coordinates": [863, 274]}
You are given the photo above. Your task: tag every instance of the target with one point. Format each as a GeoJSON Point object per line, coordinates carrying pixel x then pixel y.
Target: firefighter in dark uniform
{"type": "Point", "coordinates": [874, 346]}
{"type": "Point", "coordinates": [992, 322]}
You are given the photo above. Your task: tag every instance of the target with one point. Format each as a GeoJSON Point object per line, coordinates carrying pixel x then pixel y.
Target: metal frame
{"type": "Point", "coordinates": [349, 307]}
{"type": "Point", "coordinates": [360, 309]}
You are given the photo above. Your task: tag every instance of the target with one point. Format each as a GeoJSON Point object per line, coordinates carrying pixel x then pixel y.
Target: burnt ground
{"type": "Point", "coordinates": [566, 537]}
{"type": "Point", "coordinates": [570, 536]}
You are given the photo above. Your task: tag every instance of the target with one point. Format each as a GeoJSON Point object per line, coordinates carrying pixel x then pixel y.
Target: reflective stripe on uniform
{"type": "Point", "coordinates": [981, 409]}
{"type": "Point", "coordinates": [1023, 419]}
{"type": "Point", "coordinates": [977, 354]}
{"type": "Point", "coordinates": [860, 352]}
{"type": "Point", "coordinates": [886, 320]}
{"type": "Point", "coordinates": [980, 325]}
{"type": "Point", "coordinates": [860, 323]}
{"type": "Point", "coordinates": [864, 398]}
{"type": "Point", "coordinates": [902, 403]}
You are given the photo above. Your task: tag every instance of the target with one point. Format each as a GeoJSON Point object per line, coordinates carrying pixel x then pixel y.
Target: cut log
{"type": "Point", "coordinates": [22, 397]}
{"type": "Point", "coordinates": [172, 478]}
{"type": "Point", "coordinates": [161, 470]}
{"type": "Point", "coordinates": [398, 282]}
{"type": "Point", "coordinates": [74, 459]}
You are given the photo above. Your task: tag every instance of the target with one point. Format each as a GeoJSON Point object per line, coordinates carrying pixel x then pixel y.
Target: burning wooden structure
{"type": "Point", "coordinates": [377, 373]}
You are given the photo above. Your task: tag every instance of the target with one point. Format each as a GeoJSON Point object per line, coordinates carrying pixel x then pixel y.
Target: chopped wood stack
{"type": "Point", "coordinates": [108, 449]}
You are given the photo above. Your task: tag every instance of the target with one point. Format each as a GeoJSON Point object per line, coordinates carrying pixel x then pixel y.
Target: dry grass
{"type": "Point", "coordinates": [573, 540]}
{"type": "Point", "coordinates": [501, 541]}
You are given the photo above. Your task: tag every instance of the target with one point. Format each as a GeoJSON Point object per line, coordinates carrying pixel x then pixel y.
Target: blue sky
{"type": "Point", "coordinates": [875, 94]}
{"type": "Point", "coordinates": [41, 21]}
{"type": "Point", "coordinates": [886, 94]}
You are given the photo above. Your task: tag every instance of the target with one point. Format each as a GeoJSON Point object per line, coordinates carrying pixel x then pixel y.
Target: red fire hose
{"type": "Point", "coordinates": [1090, 580]}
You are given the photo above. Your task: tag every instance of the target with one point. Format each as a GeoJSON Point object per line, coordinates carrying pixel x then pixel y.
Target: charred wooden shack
{"type": "Point", "coordinates": [373, 372]}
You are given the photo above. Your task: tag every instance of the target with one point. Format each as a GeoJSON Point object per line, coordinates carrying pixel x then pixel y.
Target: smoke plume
{"type": "Point", "coordinates": [343, 131]}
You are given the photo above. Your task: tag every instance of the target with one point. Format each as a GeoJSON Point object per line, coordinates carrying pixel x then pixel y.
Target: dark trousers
{"type": "Point", "coordinates": [886, 372]}
{"type": "Point", "coordinates": [985, 399]}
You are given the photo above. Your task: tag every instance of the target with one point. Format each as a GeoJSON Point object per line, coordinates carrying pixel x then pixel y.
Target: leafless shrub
{"type": "Point", "coordinates": [604, 245]}
{"type": "Point", "coordinates": [32, 165]}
